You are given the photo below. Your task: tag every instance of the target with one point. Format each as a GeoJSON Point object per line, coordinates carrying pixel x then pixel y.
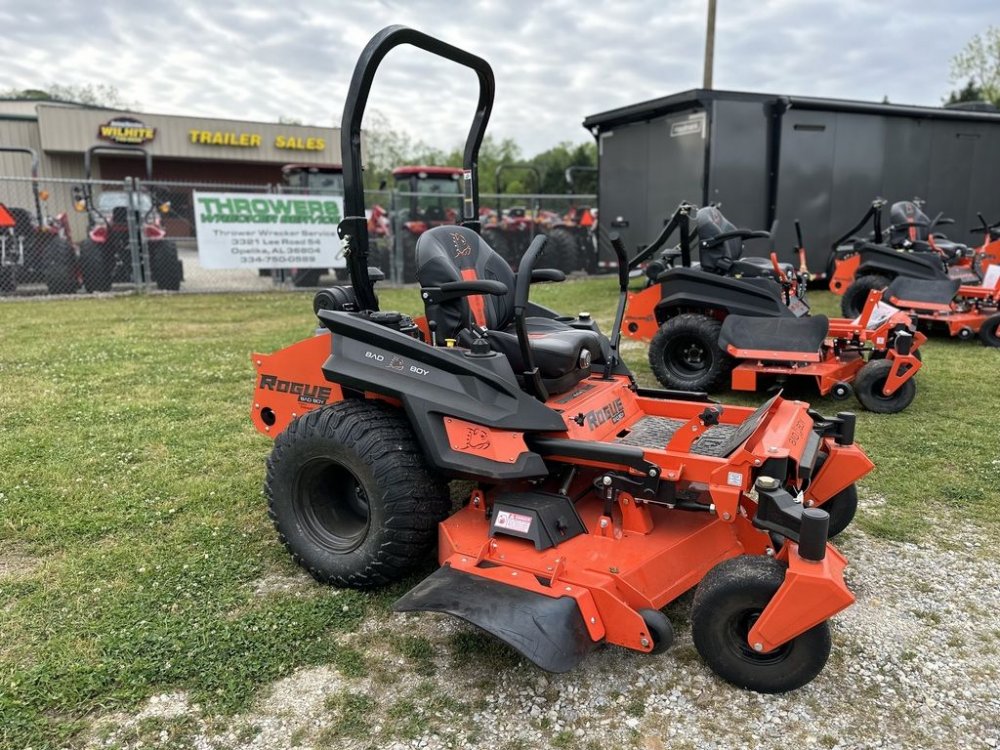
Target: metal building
{"type": "Point", "coordinates": [767, 157]}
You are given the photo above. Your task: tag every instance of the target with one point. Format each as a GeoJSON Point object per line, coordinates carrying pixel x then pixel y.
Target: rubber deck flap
{"type": "Point", "coordinates": [932, 291]}
{"type": "Point", "coordinates": [547, 631]}
{"type": "Point", "coordinates": [774, 334]}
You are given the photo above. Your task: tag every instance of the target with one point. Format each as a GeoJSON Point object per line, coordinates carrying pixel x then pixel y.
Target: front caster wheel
{"type": "Point", "coordinates": [841, 508]}
{"type": "Point", "coordinates": [989, 334]}
{"type": "Point", "coordinates": [727, 603]}
{"type": "Point", "coordinates": [870, 382]}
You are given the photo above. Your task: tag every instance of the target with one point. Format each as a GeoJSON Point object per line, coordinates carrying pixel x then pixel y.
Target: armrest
{"type": "Point", "coordinates": [742, 234]}
{"type": "Point", "coordinates": [540, 275]}
{"type": "Point", "coordinates": [455, 289]}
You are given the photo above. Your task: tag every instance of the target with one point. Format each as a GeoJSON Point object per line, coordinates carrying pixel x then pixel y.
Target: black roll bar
{"type": "Point", "coordinates": [34, 176]}
{"type": "Point", "coordinates": [571, 173]}
{"type": "Point", "coordinates": [681, 219]}
{"type": "Point", "coordinates": [874, 213]}
{"type": "Point", "coordinates": [353, 229]}
{"type": "Point", "coordinates": [89, 157]}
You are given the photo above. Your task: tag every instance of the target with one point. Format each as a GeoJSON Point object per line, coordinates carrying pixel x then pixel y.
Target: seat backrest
{"type": "Point", "coordinates": [916, 227]}
{"type": "Point", "coordinates": [711, 223]}
{"type": "Point", "coordinates": [453, 253]}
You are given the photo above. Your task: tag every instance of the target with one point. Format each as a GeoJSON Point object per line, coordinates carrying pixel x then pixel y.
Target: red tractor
{"type": "Point", "coordinates": [313, 179]}
{"type": "Point", "coordinates": [119, 222]}
{"type": "Point", "coordinates": [34, 247]}
{"type": "Point", "coordinates": [430, 197]}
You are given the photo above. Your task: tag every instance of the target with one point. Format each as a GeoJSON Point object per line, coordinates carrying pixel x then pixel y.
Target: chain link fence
{"type": "Point", "coordinates": [79, 237]}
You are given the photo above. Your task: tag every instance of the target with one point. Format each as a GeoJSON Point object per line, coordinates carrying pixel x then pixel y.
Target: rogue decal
{"type": "Point", "coordinates": [615, 411]}
{"type": "Point", "coordinates": [308, 394]}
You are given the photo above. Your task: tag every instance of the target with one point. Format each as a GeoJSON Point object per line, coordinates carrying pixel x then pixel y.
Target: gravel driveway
{"type": "Point", "coordinates": [916, 663]}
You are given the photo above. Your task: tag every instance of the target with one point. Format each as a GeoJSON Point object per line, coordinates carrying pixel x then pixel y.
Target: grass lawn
{"type": "Point", "coordinates": [132, 527]}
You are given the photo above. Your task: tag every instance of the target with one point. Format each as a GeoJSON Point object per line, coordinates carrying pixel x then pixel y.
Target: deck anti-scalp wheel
{"type": "Point", "coordinates": [351, 496]}
{"type": "Point", "coordinates": [841, 391]}
{"type": "Point", "coordinates": [868, 388]}
{"type": "Point", "coordinates": [853, 301]}
{"type": "Point", "coordinates": [727, 603]}
{"type": "Point", "coordinates": [659, 628]}
{"type": "Point", "coordinates": [685, 355]}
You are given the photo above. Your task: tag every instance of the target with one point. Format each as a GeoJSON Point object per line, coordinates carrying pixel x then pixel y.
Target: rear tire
{"type": "Point", "coordinates": [409, 243]}
{"type": "Point", "coordinates": [868, 388]}
{"type": "Point", "coordinates": [60, 267]}
{"type": "Point", "coordinates": [351, 495]}
{"type": "Point", "coordinates": [166, 268]}
{"type": "Point", "coordinates": [496, 239]}
{"type": "Point", "coordinates": [727, 602]}
{"type": "Point", "coordinates": [562, 251]}
{"type": "Point", "coordinates": [8, 279]}
{"type": "Point", "coordinates": [989, 334]}
{"type": "Point", "coordinates": [853, 301]}
{"type": "Point", "coordinates": [94, 267]}
{"type": "Point", "coordinates": [685, 355]}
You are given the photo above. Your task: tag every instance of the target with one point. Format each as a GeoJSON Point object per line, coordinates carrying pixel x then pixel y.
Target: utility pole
{"type": "Point", "coordinates": [709, 46]}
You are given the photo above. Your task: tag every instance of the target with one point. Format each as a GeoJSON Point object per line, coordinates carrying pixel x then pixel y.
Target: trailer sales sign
{"type": "Point", "coordinates": [237, 230]}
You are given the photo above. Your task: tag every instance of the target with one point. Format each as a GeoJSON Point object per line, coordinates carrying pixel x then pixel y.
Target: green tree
{"type": "Point", "coordinates": [554, 163]}
{"type": "Point", "coordinates": [979, 64]}
{"type": "Point", "coordinates": [91, 94]}
{"type": "Point", "coordinates": [970, 93]}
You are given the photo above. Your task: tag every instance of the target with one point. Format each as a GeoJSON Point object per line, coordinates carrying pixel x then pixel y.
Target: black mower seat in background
{"type": "Point", "coordinates": [727, 258]}
{"type": "Point", "coordinates": [453, 253]}
{"type": "Point", "coordinates": [932, 291]}
{"type": "Point", "coordinates": [711, 223]}
{"type": "Point", "coordinates": [788, 335]}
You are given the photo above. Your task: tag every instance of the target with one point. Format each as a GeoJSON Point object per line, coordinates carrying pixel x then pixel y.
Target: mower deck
{"type": "Point", "coordinates": [591, 588]}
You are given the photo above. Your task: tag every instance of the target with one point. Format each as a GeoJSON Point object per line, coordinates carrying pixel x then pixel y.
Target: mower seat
{"type": "Point", "coordinates": [908, 223]}
{"type": "Point", "coordinates": [785, 335]}
{"type": "Point", "coordinates": [930, 291]}
{"type": "Point", "coordinates": [453, 253]}
{"type": "Point", "coordinates": [727, 259]}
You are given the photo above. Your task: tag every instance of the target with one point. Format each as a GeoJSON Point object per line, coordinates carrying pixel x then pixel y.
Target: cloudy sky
{"type": "Point", "coordinates": [556, 61]}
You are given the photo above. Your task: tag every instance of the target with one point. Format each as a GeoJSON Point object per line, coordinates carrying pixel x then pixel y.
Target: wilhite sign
{"type": "Point", "coordinates": [287, 231]}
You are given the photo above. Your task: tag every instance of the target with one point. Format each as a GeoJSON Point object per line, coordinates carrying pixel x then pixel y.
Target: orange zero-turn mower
{"type": "Point", "coordinates": [595, 502]}
{"type": "Point", "coordinates": [707, 332]}
{"type": "Point", "coordinates": [909, 248]}
{"type": "Point", "coordinates": [964, 311]}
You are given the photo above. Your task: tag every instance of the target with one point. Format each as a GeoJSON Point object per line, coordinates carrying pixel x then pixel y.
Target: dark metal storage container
{"type": "Point", "coordinates": [767, 157]}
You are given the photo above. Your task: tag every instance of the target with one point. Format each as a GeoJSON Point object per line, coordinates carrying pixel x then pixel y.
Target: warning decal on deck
{"type": "Point", "coordinates": [513, 521]}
